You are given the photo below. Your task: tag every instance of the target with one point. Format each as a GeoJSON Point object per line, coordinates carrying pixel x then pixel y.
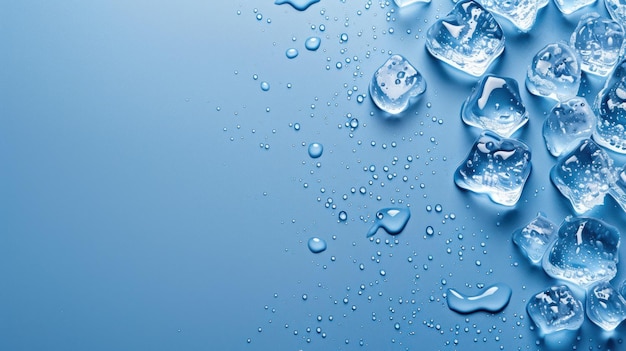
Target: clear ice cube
{"type": "Point", "coordinates": [617, 9]}
{"type": "Point", "coordinates": [569, 6]}
{"type": "Point", "coordinates": [554, 72]}
{"type": "Point", "coordinates": [497, 167]}
{"type": "Point", "coordinates": [535, 237]}
{"type": "Point", "coordinates": [598, 42]}
{"type": "Point", "coordinates": [610, 106]}
{"type": "Point", "coordinates": [522, 13]}
{"type": "Point", "coordinates": [556, 309]}
{"type": "Point", "coordinates": [396, 84]}
{"type": "Point", "coordinates": [584, 175]}
{"type": "Point", "coordinates": [567, 124]}
{"type": "Point", "coordinates": [605, 306]}
{"type": "Point", "coordinates": [618, 188]}
{"type": "Point", "coordinates": [403, 3]}
{"type": "Point", "coordinates": [469, 38]}
{"type": "Point", "coordinates": [585, 252]}
{"type": "Point", "coordinates": [495, 104]}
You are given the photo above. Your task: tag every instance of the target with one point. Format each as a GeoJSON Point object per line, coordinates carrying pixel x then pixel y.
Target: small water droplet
{"type": "Point", "coordinates": [317, 245]}
{"type": "Point", "coordinates": [315, 150]}
{"type": "Point", "coordinates": [343, 216]}
{"type": "Point", "coordinates": [312, 43]}
{"type": "Point", "coordinates": [265, 86]}
{"type": "Point", "coordinates": [291, 53]}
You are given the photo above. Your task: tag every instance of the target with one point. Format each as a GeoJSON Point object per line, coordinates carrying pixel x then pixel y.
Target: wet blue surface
{"type": "Point", "coordinates": [154, 196]}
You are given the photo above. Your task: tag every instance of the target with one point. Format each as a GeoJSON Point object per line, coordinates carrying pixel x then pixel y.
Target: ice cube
{"type": "Point", "coordinates": [396, 84]}
{"type": "Point", "coordinates": [569, 6]}
{"type": "Point", "coordinates": [403, 3]}
{"type": "Point", "coordinates": [522, 13]}
{"type": "Point", "coordinates": [554, 72]}
{"type": "Point", "coordinates": [598, 42]}
{"type": "Point", "coordinates": [610, 106]}
{"type": "Point", "coordinates": [469, 38]}
{"type": "Point", "coordinates": [567, 124]}
{"type": "Point", "coordinates": [584, 175]}
{"type": "Point", "coordinates": [617, 9]}
{"type": "Point", "coordinates": [618, 189]}
{"type": "Point", "coordinates": [497, 167]}
{"type": "Point", "coordinates": [495, 104]}
{"type": "Point", "coordinates": [605, 306]}
{"type": "Point", "coordinates": [585, 252]}
{"type": "Point", "coordinates": [556, 309]}
{"type": "Point", "coordinates": [535, 238]}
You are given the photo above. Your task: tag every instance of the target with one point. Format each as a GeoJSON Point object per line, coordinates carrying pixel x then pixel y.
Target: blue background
{"type": "Point", "coordinates": [152, 196]}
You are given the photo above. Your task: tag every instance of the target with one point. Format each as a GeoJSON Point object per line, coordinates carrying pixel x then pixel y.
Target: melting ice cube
{"type": "Point", "coordinates": [567, 124]}
{"type": "Point", "coordinates": [556, 309]}
{"type": "Point", "coordinates": [617, 9]}
{"type": "Point", "coordinates": [468, 38]}
{"type": "Point", "coordinates": [598, 42]}
{"type": "Point", "coordinates": [495, 104]}
{"type": "Point", "coordinates": [403, 3]}
{"type": "Point", "coordinates": [610, 105]}
{"type": "Point", "coordinates": [497, 167]}
{"type": "Point", "coordinates": [584, 175]}
{"type": "Point", "coordinates": [585, 252]}
{"type": "Point", "coordinates": [554, 72]}
{"type": "Point", "coordinates": [535, 238]}
{"type": "Point", "coordinates": [605, 306]}
{"type": "Point", "coordinates": [569, 6]}
{"type": "Point", "coordinates": [522, 13]}
{"type": "Point", "coordinates": [395, 84]}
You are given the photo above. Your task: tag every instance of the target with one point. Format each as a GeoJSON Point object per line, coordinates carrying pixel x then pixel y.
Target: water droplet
{"type": "Point", "coordinates": [493, 299]}
{"type": "Point", "coordinates": [299, 5]}
{"type": "Point", "coordinates": [315, 150]}
{"type": "Point", "coordinates": [430, 230]}
{"type": "Point", "coordinates": [265, 86]}
{"type": "Point", "coordinates": [343, 38]}
{"type": "Point", "coordinates": [317, 245]}
{"type": "Point", "coordinates": [392, 220]}
{"type": "Point", "coordinates": [312, 43]}
{"type": "Point", "coordinates": [343, 216]}
{"type": "Point", "coordinates": [291, 53]}
{"type": "Point", "coordinates": [296, 126]}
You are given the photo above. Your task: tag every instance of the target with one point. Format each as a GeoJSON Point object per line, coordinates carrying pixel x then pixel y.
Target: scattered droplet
{"type": "Point", "coordinates": [315, 150]}
{"type": "Point", "coordinates": [317, 245]}
{"type": "Point", "coordinates": [265, 86]}
{"type": "Point", "coordinates": [493, 299]}
{"type": "Point", "coordinates": [312, 43]}
{"type": "Point", "coordinates": [291, 53]}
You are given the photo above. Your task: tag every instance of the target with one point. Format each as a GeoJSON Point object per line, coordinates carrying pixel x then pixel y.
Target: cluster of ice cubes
{"type": "Point", "coordinates": [583, 252]}
{"type": "Point", "coordinates": [497, 167]}
{"type": "Point", "coordinates": [468, 38]}
{"type": "Point", "coordinates": [396, 84]}
{"type": "Point", "coordinates": [495, 104]}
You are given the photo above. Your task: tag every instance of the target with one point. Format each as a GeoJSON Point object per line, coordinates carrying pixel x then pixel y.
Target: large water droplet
{"type": "Point", "coordinates": [299, 5]}
{"type": "Point", "coordinates": [317, 245]}
{"type": "Point", "coordinates": [493, 299]}
{"type": "Point", "coordinates": [312, 43]}
{"type": "Point", "coordinates": [392, 220]}
{"type": "Point", "coordinates": [315, 150]}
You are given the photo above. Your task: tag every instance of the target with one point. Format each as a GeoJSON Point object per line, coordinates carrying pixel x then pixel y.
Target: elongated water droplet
{"type": "Point", "coordinates": [392, 220]}
{"type": "Point", "coordinates": [493, 299]}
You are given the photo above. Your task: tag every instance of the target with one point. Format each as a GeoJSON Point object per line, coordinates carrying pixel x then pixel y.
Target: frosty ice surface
{"type": "Point", "coordinates": [584, 175]}
{"type": "Point", "coordinates": [610, 106]}
{"type": "Point", "coordinates": [598, 42]}
{"type": "Point", "coordinates": [554, 72]}
{"type": "Point", "coordinates": [569, 6]}
{"type": "Point", "coordinates": [497, 167]}
{"type": "Point", "coordinates": [495, 104]}
{"type": "Point", "coordinates": [535, 238]}
{"type": "Point", "coordinates": [585, 252]}
{"type": "Point", "coordinates": [522, 13]}
{"type": "Point", "coordinates": [567, 124]}
{"type": "Point", "coordinates": [468, 38]}
{"type": "Point", "coordinates": [556, 309]}
{"type": "Point", "coordinates": [395, 84]}
{"type": "Point", "coordinates": [605, 306]}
